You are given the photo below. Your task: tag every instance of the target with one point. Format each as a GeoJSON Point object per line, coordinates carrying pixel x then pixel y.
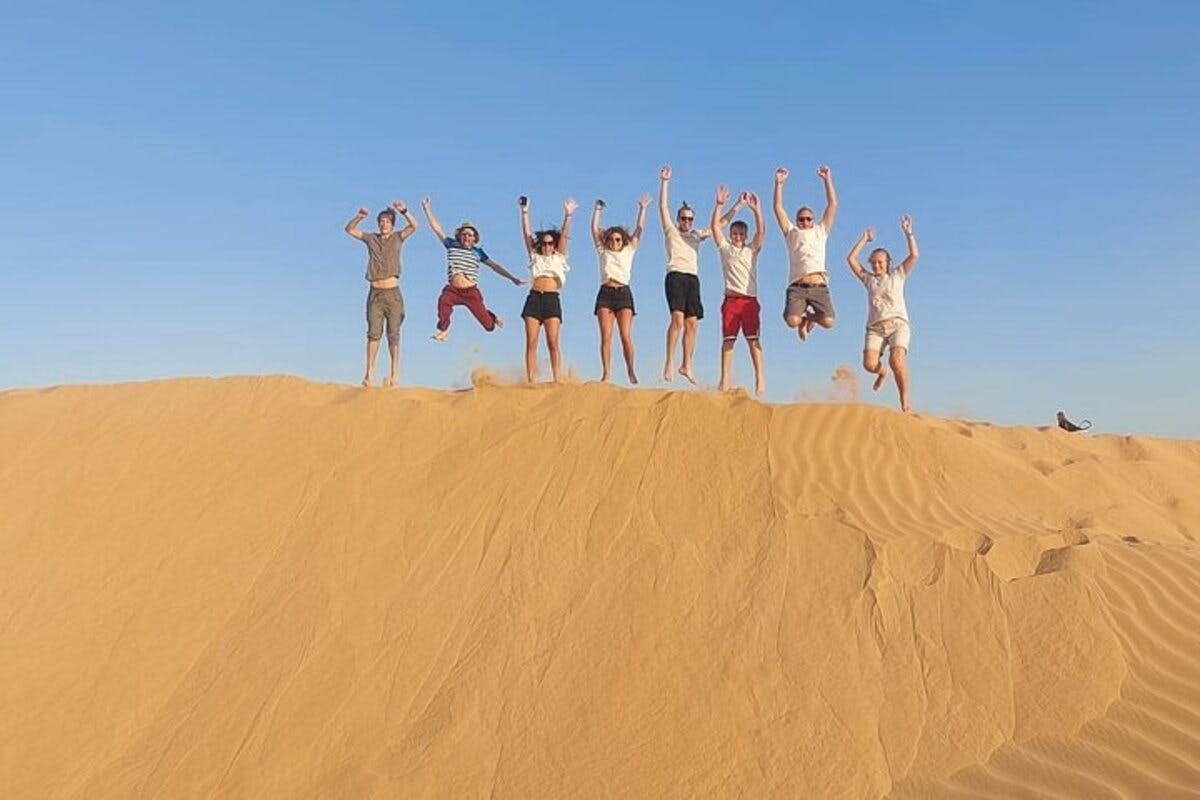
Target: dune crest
{"type": "Point", "coordinates": [274, 588]}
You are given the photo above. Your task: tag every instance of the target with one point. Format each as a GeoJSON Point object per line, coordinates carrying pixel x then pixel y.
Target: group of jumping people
{"type": "Point", "coordinates": [807, 306]}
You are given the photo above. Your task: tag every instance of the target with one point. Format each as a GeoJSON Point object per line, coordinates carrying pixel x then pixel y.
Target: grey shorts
{"type": "Point", "coordinates": [800, 298]}
{"type": "Point", "coordinates": [893, 332]}
{"type": "Point", "coordinates": [385, 306]}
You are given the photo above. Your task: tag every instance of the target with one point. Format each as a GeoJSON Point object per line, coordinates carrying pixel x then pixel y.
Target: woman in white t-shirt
{"type": "Point", "coordinates": [548, 269]}
{"type": "Point", "coordinates": [615, 248]}
{"type": "Point", "coordinates": [887, 315]}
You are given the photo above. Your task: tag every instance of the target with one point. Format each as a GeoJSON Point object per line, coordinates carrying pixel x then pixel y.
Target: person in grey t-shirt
{"type": "Point", "coordinates": [385, 304]}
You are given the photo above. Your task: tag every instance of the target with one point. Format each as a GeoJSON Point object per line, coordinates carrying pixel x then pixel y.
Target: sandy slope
{"type": "Point", "coordinates": [262, 587]}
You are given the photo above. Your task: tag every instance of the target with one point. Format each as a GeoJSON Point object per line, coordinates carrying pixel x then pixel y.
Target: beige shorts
{"type": "Point", "coordinates": [893, 332]}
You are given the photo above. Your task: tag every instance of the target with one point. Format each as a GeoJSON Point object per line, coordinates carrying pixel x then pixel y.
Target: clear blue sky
{"type": "Point", "coordinates": [176, 178]}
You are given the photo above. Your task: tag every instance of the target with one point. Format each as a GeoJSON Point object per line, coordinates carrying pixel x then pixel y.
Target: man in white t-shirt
{"type": "Point", "coordinates": [887, 313]}
{"type": "Point", "coordinates": [682, 240]}
{"type": "Point", "coordinates": [739, 264]}
{"type": "Point", "coordinates": [808, 303]}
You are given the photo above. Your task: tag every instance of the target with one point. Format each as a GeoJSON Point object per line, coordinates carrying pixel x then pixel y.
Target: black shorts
{"type": "Point", "coordinates": [683, 294]}
{"type": "Point", "coordinates": [615, 298]}
{"type": "Point", "coordinates": [542, 306]}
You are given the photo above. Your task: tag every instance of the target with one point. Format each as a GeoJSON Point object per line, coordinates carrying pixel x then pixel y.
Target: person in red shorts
{"type": "Point", "coordinates": [740, 310]}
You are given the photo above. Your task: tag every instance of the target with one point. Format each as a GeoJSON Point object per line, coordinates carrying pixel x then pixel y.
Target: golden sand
{"type": "Point", "coordinates": [264, 587]}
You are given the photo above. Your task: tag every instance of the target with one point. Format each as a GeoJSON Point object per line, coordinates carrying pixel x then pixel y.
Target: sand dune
{"type": "Point", "coordinates": [263, 587]}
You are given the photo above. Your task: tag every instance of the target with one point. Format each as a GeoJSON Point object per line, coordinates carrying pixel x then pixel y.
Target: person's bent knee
{"type": "Point", "coordinates": [825, 322]}
{"type": "Point", "coordinates": [792, 320]}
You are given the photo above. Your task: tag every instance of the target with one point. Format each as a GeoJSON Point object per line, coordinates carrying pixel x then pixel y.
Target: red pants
{"type": "Point", "coordinates": [469, 297]}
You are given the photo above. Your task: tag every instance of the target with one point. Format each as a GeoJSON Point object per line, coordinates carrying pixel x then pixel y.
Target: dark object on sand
{"type": "Point", "coordinates": [1071, 427]}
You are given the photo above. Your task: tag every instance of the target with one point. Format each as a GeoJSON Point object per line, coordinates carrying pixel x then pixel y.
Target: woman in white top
{"type": "Point", "coordinates": [615, 248]}
{"type": "Point", "coordinates": [887, 315]}
{"type": "Point", "coordinates": [548, 272]}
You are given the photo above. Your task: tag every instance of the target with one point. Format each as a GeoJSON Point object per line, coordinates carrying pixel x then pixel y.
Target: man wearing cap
{"type": "Point", "coordinates": [385, 304]}
{"type": "Point", "coordinates": [463, 257]}
{"type": "Point", "coordinates": [808, 302]}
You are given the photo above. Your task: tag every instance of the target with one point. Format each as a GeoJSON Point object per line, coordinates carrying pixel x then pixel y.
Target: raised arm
{"type": "Point", "coordinates": [596, 233]}
{"type": "Point", "coordinates": [830, 214]}
{"type": "Point", "coordinates": [914, 252]}
{"type": "Point", "coordinates": [527, 232]}
{"type": "Point", "coordinates": [781, 215]}
{"type": "Point", "coordinates": [757, 242]}
{"type": "Point", "coordinates": [852, 257]}
{"type": "Point", "coordinates": [434, 225]}
{"type": "Point", "coordinates": [717, 220]}
{"type": "Point", "coordinates": [636, 235]}
{"type": "Point", "coordinates": [664, 207]}
{"type": "Point", "coordinates": [502, 271]}
{"type": "Point", "coordinates": [564, 233]}
{"type": "Point", "coordinates": [352, 225]}
{"type": "Point", "coordinates": [742, 199]}
{"type": "Point", "coordinates": [401, 208]}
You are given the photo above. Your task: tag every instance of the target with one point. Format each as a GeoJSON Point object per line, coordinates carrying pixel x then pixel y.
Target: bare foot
{"type": "Point", "coordinates": [605, 378]}
{"type": "Point", "coordinates": [802, 329]}
{"type": "Point", "coordinates": [687, 373]}
{"type": "Point", "coordinates": [632, 377]}
{"type": "Point", "coordinates": [879, 379]}
{"type": "Point", "coordinates": [368, 379]}
{"type": "Point", "coordinates": [440, 336]}
{"type": "Point", "coordinates": [669, 373]}
{"type": "Point", "coordinates": [723, 386]}
{"type": "Point", "coordinates": [390, 381]}
{"type": "Point", "coordinates": [760, 388]}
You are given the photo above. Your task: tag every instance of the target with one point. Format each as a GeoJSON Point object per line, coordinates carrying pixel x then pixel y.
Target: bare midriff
{"type": "Point", "coordinates": [613, 283]}
{"type": "Point", "coordinates": [815, 279]}
{"type": "Point", "coordinates": [545, 283]}
{"type": "Point", "coordinates": [386, 283]}
{"type": "Point", "coordinates": [460, 281]}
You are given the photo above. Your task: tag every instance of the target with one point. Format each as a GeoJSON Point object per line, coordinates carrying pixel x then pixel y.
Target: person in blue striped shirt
{"type": "Point", "coordinates": [463, 257]}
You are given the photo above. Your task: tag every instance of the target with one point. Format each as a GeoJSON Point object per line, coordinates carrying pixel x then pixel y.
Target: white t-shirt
{"type": "Point", "coordinates": [683, 249]}
{"type": "Point", "coordinates": [740, 265]}
{"type": "Point", "coordinates": [885, 296]}
{"type": "Point", "coordinates": [616, 265]}
{"type": "Point", "coordinates": [806, 251]}
{"type": "Point", "coordinates": [551, 266]}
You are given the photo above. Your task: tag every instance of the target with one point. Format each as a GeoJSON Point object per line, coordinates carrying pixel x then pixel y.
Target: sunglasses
{"type": "Point", "coordinates": [686, 219]}
{"type": "Point", "coordinates": [805, 219]}
{"type": "Point", "coordinates": [546, 243]}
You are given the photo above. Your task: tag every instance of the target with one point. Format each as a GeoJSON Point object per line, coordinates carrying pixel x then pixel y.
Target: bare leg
{"type": "Point", "coordinates": [393, 377]}
{"type": "Point", "coordinates": [690, 325]}
{"type": "Point", "coordinates": [605, 318]}
{"type": "Point", "coordinates": [531, 337]}
{"type": "Point", "coordinates": [372, 352]}
{"type": "Point", "coordinates": [898, 358]}
{"type": "Point", "coordinates": [797, 322]}
{"type": "Point", "coordinates": [625, 325]}
{"type": "Point", "coordinates": [552, 326]}
{"type": "Point", "coordinates": [871, 363]}
{"type": "Point", "coordinates": [726, 364]}
{"type": "Point", "coordinates": [756, 358]}
{"type": "Point", "coordinates": [673, 331]}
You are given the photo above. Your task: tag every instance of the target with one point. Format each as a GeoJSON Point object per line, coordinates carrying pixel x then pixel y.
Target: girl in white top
{"type": "Point", "coordinates": [548, 269]}
{"type": "Point", "coordinates": [887, 315]}
{"type": "Point", "coordinates": [740, 309]}
{"type": "Point", "coordinates": [615, 248]}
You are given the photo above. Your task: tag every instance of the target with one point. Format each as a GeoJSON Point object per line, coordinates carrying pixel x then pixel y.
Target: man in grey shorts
{"type": "Point", "coordinates": [385, 304]}
{"type": "Point", "coordinates": [808, 301]}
